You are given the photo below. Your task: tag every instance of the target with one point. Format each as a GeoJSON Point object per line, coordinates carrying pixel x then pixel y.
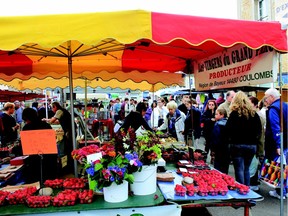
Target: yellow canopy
{"type": "Point", "coordinates": [133, 80]}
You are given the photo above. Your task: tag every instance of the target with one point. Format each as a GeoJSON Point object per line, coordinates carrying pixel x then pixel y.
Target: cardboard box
{"type": "Point", "coordinates": [19, 160]}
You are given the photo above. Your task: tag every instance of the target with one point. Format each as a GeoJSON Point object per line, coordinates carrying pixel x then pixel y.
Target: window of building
{"type": "Point", "coordinates": [263, 12]}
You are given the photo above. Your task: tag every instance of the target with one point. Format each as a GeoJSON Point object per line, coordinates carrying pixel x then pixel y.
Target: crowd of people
{"type": "Point", "coordinates": [15, 117]}
{"type": "Point", "coordinates": [236, 127]}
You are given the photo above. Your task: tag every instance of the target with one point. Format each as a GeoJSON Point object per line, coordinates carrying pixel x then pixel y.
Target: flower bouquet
{"type": "Point", "coordinates": [147, 147]}
{"type": "Point", "coordinates": [112, 167]}
{"type": "Point", "coordinates": [81, 153]}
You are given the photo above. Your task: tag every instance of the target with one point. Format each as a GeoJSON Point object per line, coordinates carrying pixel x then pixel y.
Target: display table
{"type": "Point", "coordinates": [99, 124]}
{"type": "Point", "coordinates": [133, 202]}
{"type": "Point", "coordinates": [232, 198]}
{"type": "Point", "coordinates": [13, 176]}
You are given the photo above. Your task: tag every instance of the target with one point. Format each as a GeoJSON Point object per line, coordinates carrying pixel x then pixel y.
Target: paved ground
{"type": "Point", "coordinates": [269, 206]}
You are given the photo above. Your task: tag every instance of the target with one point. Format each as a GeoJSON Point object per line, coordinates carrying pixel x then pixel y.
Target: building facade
{"type": "Point", "coordinates": [268, 10]}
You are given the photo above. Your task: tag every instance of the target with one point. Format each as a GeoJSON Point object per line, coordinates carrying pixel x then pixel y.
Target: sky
{"type": "Point", "coordinates": [208, 8]}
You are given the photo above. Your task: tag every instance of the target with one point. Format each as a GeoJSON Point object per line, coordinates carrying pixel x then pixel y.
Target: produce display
{"type": "Point", "coordinates": [180, 190]}
{"type": "Point", "coordinates": [3, 195]}
{"type": "Point", "coordinates": [74, 183]}
{"type": "Point", "coordinates": [55, 183]}
{"type": "Point", "coordinates": [19, 196]}
{"type": "Point", "coordinates": [38, 201]}
{"type": "Point", "coordinates": [86, 196]}
{"type": "Point", "coordinates": [208, 182]}
{"type": "Point", "coordinates": [65, 197]}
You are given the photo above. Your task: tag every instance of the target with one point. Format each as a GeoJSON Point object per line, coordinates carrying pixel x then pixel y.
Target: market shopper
{"type": "Point", "coordinates": [174, 122]}
{"type": "Point", "coordinates": [116, 110]}
{"type": "Point", "coordinates": [149, 110]}
{"type": "Point", "coordinates": [182, 107]}
{"type": "Point", "coordinates": [192, 122]}
{"type": "Point", "coordinates": [63, 117]}
{"type": "Point", "coordinates": [19, 107]}
{"type": "Point", "coordinates": [220, 99]}
{"type": "Point", "coordinates": [159, 113]}
{"type": "Point", "coordinates": [226, 104]}
{"type": "Point", "coordinates": [273, 131]}
{"type": "Point", "coordinates": [10, 132]}
{"type": "Point", "coordinates": [207, 98]}
{"type": "Point", "coordinates": [219, 144]}
{"type": "Point", "coordinates": [254, 180]}
{"type": "Point", "coordinates": [135, 119]}
{"type": "Point", "coordinates": [208, 119]}
{"type": "Point", "coordinates": [49, 161]}
{"type": "Point", "coordinates": [243, 132]}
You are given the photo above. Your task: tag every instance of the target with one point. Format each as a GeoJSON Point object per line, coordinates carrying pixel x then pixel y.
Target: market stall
{"type": "Point", "coordinates": [155, 42]}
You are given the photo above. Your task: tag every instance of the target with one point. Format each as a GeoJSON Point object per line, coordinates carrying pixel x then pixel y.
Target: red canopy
{"type": "Point", "coordinates": [11, 96]}
{"type": "Point", "coordinates": [41, 46]}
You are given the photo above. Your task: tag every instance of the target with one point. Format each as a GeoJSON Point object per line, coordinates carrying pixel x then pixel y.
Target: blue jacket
{"type": "Point", "coordinates": [219, 137]}
{"type": "Point", "coordinates": [272, 134]}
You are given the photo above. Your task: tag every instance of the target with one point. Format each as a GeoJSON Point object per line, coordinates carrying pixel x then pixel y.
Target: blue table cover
{"type": "Point", "coordinates": [167, 189]}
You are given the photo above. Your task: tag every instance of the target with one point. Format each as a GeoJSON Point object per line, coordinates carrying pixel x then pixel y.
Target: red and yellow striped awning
{"type": "Point", "coordinates": [121, 42]}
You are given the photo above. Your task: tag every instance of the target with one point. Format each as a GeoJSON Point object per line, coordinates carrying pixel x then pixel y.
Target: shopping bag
{"type": "Point", "coordinates": [253, 166]}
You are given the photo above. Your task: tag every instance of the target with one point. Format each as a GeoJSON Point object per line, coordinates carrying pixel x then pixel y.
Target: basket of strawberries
{"type": "Point", "coordinates": [19, 196]}
{"type": "Point", "coordinates": [55, 183]}
{"type": "Point", "coordinates": [74, 183]}
{"type": "Point", "coordinates": [86, 196]}
{"type": "Point", "coordinates": [3, 195]}
{"type": "Point", "coordinates": [38, 201]}
{"type": "Point", "coordinates": [65, 198]}
{"type": "Point", "coordinates": [180, 190]}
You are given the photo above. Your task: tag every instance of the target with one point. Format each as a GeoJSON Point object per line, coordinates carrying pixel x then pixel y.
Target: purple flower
{"type": "Point", "coordinates": [90, 171]}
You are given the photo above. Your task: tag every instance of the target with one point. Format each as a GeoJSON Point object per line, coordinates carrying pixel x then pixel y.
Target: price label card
{"type": "Point", "coordinates": [38, 142]}
{"type": "Point", "coordinates": [94, 157]}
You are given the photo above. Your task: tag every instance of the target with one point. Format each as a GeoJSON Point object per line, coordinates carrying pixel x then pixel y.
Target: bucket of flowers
{"type": "Point", "coordinates": [148, 148]}
{"type": "Point", "coordinates": [112, 170]}
{"type": "Point", "coordinates": [147, 145]}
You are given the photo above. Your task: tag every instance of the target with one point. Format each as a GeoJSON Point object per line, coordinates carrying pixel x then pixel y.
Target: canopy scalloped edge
{"type": "Point", "coordinates": [161, 28]}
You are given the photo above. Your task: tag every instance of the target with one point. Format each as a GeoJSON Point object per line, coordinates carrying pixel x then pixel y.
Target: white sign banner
{"type": "Point", "coordinates": [237, 66]}
{"type": "Point", "coordinates": [171, 210]}
{"type": "Point", "coordinates": [281, 11]}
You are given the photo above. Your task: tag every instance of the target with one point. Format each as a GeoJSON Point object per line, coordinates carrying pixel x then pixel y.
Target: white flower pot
{"type": "Point", "coordinates": [145, 181]}
{"type": "Point", "coordinates": [116, 193]}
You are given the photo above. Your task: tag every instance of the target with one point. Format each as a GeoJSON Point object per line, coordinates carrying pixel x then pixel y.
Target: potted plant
{"type": "Point", "coordinates": [148, 148]}
{"type": "Point", "coordinates": [112, 170]}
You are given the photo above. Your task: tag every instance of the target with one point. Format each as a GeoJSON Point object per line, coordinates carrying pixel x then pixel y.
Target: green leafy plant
{"type": "Point", "coordinates": [147, 146]}
{"type": "Point", "coordinates": [113, 167]}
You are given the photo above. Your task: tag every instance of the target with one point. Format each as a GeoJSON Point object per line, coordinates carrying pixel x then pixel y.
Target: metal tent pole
{"type": "Point", "coordinates": [72, 104]}
{"type": "Point", "coordinates": [281, 140]}
{"type": "Point", "coordinates": [85, 112]}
